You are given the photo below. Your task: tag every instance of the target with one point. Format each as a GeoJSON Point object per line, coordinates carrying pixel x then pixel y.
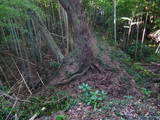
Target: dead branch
{"type": "Point", "coordinates": [10, 54]}
{"type": "Point", "coordinates": [2, 93]}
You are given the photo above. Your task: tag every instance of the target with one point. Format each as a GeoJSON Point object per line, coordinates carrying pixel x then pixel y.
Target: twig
{"type": "Point", "coordinates": [41, 80]}
{"type": "Point", "coordinates": [3, 73]}
{"type": "Point", "coordinates": [58, 35]}
{"type": "Point", "coordinates": [17, 83]}
{"type": "Point", "coordinates": [35, 115]}
{"type": "Point", "coordinates": [2, 93]}
{"type": "Point", "coordinates": [56, 101]}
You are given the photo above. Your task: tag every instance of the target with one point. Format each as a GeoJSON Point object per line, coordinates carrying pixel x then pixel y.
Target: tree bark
{"type": "Point", "coordinates": [85, 43]}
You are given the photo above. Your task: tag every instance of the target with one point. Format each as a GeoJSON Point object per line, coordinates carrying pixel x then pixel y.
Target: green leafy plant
{"type": "Point", "coordinates": [85, 87]}
{"type": "Point", "coordinates": [91, 97]}
{"type": "Point", "coordinates": [145, 92]}
{"type": "Point", "coordinates": [60, 117]}
{"type": "Point", "coordinates": [55, 65]}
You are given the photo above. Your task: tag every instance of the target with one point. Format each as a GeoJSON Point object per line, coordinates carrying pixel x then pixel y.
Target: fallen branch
{"type": "Point", "coordinates": [156, 64]}
{"type": "Point", "coordinates": [35, 115]}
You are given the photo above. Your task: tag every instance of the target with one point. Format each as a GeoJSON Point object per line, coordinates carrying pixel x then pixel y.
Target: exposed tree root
{"type": "Point", "coordinates": [72, 78]}
{"type": "Point", "coordinates": [77, 74]}
{"type": "Point", "coordinates": [101, 69]}
{"type": "Point", "coordinates": [97, 67]}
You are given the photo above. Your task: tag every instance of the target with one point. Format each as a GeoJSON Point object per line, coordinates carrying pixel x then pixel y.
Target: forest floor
{"type": "Point", "coordinates": [124, 99]}
{"type": "Point", "coordinates": [116, 109]}
{"type": "Point", "coordinates": [117, 106]}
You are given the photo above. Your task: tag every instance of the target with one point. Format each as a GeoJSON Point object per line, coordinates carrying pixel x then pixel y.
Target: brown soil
{"type": "Point", "coordinates": [113, 79]}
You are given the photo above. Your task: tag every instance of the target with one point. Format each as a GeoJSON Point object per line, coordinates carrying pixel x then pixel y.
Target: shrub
{"type": "Point", "coordinates": [139, 52]}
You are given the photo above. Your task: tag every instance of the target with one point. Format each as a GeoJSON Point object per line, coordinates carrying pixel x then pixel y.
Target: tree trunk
{"type": "Point", "coordinates": [115, 21]}
{"type": "Point", "coordinates": [85, 43]}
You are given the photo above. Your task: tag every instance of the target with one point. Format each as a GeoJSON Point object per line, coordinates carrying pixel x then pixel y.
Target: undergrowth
{"type": "Point", "coordinates": [131, 63]}
{"type": "Point", "coordinates": [143, 53]}
{"type": "Point", "coordinates": [57, 102]}
{"type": "Point", "coordinates": [141, 75]}
{"type": "Point", "coordinates": [60, 101]}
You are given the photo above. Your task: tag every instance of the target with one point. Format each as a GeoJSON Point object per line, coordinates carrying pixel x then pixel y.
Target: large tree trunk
{"type": "Point", "coordinates": [84, 40]}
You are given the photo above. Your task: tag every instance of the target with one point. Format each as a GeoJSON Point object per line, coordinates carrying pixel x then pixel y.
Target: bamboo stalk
{"type": "Point", "coordinates": [137, 37]}
{"type": "Point", "coordinates": [23, 79]}
{"type": "Point", "coordinates": [115, 24]}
